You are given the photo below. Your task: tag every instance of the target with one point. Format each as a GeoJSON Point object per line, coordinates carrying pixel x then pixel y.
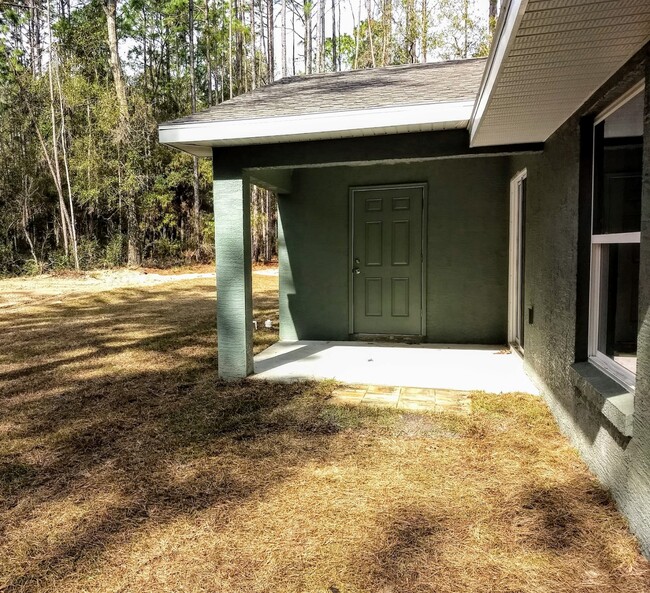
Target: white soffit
{"type": "Point", "coordinates": [551, 56]}
{"type": "Point", "coordinates": [199, 138]}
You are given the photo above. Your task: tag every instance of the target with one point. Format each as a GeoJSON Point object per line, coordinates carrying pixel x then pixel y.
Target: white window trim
{"type": "Point", "coordinates": [596, 357]}
{"type": "Point", "coordinates": [615, 370]}
{"type": "Point", "coordinates": [622, 100]}
{"type": "Point", "coordinates": [616, 238]}
{"type": "Point", "coordinates": [513, 253]}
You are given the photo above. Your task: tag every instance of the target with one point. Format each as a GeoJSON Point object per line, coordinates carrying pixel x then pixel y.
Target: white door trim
{"type": "Point", "coordinates": [513, 256]}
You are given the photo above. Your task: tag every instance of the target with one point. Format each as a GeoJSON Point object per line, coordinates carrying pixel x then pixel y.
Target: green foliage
{"type": "Point", "coordinates": [90, 253]}
{"type": "Point", "coordinates": [344, 48]}
{"type": "Point", "coordinates": [111, 175]}
{"type": "Point", "coordinates": [9, 265]}
{"type": "Point", "coordinates": [58, 261]}
{"type": "Point", "coordinates": [114, 251]}
{"type": "Point", "coordinates": [30, 268]}
{"type": "Point", "coordinates": [464, 32]}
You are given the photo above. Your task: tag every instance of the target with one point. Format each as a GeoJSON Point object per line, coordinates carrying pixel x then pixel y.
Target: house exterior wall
{"type": "Point", "coordinates": [467, 248]}
{"type": "Point", "coordinates": [556, 287]}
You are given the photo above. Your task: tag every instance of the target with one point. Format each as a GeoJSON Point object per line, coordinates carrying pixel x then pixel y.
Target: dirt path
{"type": "Point", "coordinates": [16, 292]}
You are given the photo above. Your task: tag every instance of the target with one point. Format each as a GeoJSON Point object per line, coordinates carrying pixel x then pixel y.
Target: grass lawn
{"type": "Point", "coordinates": [126, 465]}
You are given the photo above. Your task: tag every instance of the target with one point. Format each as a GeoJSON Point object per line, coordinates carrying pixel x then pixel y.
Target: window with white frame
{"type": "Point", "coordinates": [615, 239]}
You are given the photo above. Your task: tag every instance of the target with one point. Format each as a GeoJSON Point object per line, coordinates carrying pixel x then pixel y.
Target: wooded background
{"type": "Point", "coordinates": [84, 84]}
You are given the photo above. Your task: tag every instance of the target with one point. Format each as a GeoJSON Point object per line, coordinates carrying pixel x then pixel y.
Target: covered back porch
{"type": "Point", "coordinates": [391, 225]}
{"type": "Point", "coordinates": [458, 263]}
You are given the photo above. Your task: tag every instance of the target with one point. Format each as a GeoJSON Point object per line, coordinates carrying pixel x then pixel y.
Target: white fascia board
{"type": "Point", "coordinates": [265, 129]}
{"type": "Point", "coordinates": [514, 12]}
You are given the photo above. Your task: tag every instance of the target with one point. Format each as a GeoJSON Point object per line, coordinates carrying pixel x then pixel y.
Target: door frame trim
{"type": "Point", "coordinates": [423, 246]}
{"type": "Point", "coordinates": [513, 253]}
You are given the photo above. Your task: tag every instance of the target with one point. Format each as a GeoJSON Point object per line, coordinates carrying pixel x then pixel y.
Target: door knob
{"type": "Point", "coordinates": [356, 271]}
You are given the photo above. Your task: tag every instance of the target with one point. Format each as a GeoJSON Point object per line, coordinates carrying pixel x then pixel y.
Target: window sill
{"type": "Point", "coordinates": [612, 399]}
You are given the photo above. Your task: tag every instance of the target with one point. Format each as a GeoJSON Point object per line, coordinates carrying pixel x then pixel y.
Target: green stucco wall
{"type": "Point", "coordinates": [467, 254]}
{"type": "Point", "coordinates": [555, 341]}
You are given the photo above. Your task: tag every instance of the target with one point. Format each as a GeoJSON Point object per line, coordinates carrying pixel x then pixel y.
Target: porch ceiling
{"type": "Point", "coordinates": [549, 57]}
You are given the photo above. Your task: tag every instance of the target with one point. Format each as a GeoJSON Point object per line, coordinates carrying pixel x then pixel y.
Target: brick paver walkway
{"type": "Point", "coordinates": [406, 398]}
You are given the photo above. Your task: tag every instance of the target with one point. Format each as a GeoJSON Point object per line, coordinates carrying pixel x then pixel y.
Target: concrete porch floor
{"type": "Point", "coordinates": [429, 366]}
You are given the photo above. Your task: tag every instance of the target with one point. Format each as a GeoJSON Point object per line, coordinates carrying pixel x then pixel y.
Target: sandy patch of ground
{"type": "Point", "coordinates": [16, 292]}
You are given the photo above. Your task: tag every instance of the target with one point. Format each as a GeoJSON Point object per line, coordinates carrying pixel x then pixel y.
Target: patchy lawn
{"type": "Point", "coordinates": [126, 465]}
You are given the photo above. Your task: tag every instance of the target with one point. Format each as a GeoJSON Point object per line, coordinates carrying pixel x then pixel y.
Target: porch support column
{"type": "Point", "coordinates": [233, 259]}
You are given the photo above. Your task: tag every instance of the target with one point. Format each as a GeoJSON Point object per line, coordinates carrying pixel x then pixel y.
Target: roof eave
{"type": "Point", "coordinates": [512, 12]}
{"type": "Point", "coordinates": [198, 138]}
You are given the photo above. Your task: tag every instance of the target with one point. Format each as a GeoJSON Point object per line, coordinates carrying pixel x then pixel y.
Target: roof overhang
{"type": "Point", "coordinates": [199, 138]}
{"type": "Point", "coordinates": [548, 58]}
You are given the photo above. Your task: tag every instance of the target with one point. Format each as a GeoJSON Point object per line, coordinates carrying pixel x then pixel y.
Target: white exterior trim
{"type": "Point", "coordinates": [622, 100]}
{"type": "Point", "coordinates": [616, 238]}
{"type": "Point", "coordinates": [513, 256]}
{"type": "Point", "coordinates": [506, 35]}
{"type": "Point", "coordinates": [596, 357]}
{"type": "Point", "coordinates": [598, 243]}
{"type": "Point", "coordinates": [259, 129]}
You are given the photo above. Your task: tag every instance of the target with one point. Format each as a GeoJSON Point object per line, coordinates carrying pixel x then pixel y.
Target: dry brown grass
{"type": "Point", "coordinates": [126, 465]}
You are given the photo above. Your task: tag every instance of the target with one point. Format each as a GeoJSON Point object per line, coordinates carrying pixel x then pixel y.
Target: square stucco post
{"type": "Point", "coordinates": [233, 260]}
{"type": "Point", "coordinates": [639, 504]}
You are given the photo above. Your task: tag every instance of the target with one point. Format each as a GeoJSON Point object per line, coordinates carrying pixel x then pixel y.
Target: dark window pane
{"type": "Point", "coordinates": [617, 199]}
{"type": "Point", "coordinates": [619, 303]}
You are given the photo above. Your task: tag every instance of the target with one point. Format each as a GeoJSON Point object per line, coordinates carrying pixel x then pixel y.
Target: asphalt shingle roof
{"type": "Point", "coordinates": [437, 82]}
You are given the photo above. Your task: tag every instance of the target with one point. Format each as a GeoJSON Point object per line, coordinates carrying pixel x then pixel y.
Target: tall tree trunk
{"type": "Point", "coordinates": [293, 42]}
{"type": "Point", "coordinates": [307, 8]}
{"type": "Point", "coordinates": [264, 50]}
{"type": "Point", "coordinates": [110, 9]}
{"type": "Point", "coordinates": [425, 31]}
{"type": "Point", "coordinates": [230, 50]}
{"type": "Point", "coordinates": [384, 29]}
{"type": "Point", "coordinates": [208, 58]}
{"type": "Point", "coordinates": [253, 47]}
{"type": "Point", "coordinates": [493, 14]}
{"type": "Point", "coordinates": [321, 49]}
{"type": "Point", "coordinates": [334, 58]}
{"type": "Point", "coordinates": [338, 33]}
{"type": "Point", "coordinates": [190, 29]}
{"type": "Point", "coordinates": [411, 30]}
{"type": "Point", "coordinates": [370, 40]}
{"type": "Point", "coordinates": [144, 52]}
{"type": "Point", "coordinates": [196, 205]}
{"type": "Point", "coordinates": [64, 143]}
{"type": "Point", "coordinates": [56, 176]}
{"type": "Point", "coordinates": [34, 37]}
{"type": "Point", "coordinates": [270, 20]}
{"type": "Point", "coordinates": [239, 52]}
{"type": "Point", "coordinates": [466, 28]}
{"type": "Point", "coordinates": [28, 238]}
{"type": "Point", "coordinates": [132, 230]}
{"type": "Point", "coordinates": [357, 33]}
{"type": "Point", "coordinates": [54, 166]}
{"type": "Point", "coordinates": [284, 38]}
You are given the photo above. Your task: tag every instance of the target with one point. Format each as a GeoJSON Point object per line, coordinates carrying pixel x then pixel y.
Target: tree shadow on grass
{"type": "Point", "coordinates": [412, 541]}
{"type": "Point", "coordinates": [95, 427]}
{"type": "Point", "coordinates": [134, 454]}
